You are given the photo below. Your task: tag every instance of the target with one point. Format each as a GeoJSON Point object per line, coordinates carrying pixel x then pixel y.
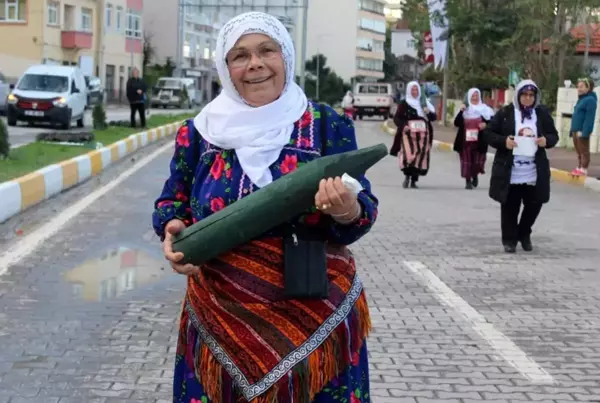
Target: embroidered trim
{"type": "Point", "coordinates": [250, 391]}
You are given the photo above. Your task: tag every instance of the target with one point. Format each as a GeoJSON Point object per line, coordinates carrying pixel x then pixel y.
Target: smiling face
{"type": "Point", "coordinates": [257, 69]}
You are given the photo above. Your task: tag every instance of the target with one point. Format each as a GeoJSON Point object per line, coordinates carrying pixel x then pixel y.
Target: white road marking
{"type": "Point", "coordinates": [505, 347]}
{"type": "Point", "coordinates": [26, 245]}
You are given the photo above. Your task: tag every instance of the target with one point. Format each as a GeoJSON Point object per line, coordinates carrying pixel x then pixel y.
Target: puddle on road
{"type": "Point", "coordinates": [113, 274]}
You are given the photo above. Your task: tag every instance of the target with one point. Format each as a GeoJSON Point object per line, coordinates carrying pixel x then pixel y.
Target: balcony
{"type": "Point", "coordinates": [76, 40]}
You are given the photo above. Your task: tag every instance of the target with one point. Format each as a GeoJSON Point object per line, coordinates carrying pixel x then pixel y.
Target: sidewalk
{"type": "Point", "coordinates": [562, 160]}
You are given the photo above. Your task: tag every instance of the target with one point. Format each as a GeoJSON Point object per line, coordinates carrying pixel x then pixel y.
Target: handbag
{"type": "Point", "coordinates": [305, 254]}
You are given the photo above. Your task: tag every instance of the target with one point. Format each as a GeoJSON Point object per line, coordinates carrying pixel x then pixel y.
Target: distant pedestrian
{"type": "Point", "coordinates": [469, 143]}
{"type": "Point", "coordinates": [582, 124]}
{"type": "Point", "coordinates": [521, 170]}
{"type": "Point", "coordinates": [136, 95]}
{"type": "Point", "coordinates": [348, 104]}
{"type": "Point", "coordinates": [414, 136]}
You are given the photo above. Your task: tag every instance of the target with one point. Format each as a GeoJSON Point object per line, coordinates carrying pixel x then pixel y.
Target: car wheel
{"type": "Point", "coordinates": [11, 120]}
{"type": "Point", "coordinates": [80, 122]}
{"type": "Point", "coordinates": [66, 125]}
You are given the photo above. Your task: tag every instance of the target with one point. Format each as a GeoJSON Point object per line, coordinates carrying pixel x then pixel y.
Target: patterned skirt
{"type": "Point", "coordinates": [472, 161]}
{"type": "Point", "coordinates": [350, 386]}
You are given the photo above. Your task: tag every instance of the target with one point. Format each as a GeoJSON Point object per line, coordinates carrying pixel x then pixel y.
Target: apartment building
{"type": "Point", "coordinates": [351, 34]}
{"type": "Point", "coordinates": [192, 36]}
{"type": "Point", "coordinates": [72, 32]}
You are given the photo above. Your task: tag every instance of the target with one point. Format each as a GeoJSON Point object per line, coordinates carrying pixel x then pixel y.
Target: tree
{"type": "Point", "coordinates": [390, 63]}
{"type": "Point", "coordinates": [331, 86]}
{"type": "Point", "coordinates": [4, 144]}
{"type": "Point", "coordinates": [148, 51]}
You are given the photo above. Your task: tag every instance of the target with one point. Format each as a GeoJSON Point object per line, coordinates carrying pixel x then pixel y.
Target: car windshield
{"type": "Point", "coordinates": [168, 84]}
{"type": "Point", "coordinates": [44, 83]}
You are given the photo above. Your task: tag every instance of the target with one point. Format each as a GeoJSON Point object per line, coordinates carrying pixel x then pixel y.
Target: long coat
{"type": "Point", "coordinates": [502, 126]}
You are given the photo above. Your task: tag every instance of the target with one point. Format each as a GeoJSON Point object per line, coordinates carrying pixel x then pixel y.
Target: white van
{"type": "Point", "coordinates": [373, 99]}
{"type": "Point", "coordinates": [47, 93]}
{"type": "Point", "coordinates": [168, 92]}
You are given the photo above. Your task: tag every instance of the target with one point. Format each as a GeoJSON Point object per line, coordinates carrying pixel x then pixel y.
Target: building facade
{"type": "Point", "coordinates": [351, 35]}
{"type": "Point", "coordinates": [403, 41]}
{"type": "Point", "coordinates": [72, 32]}
{"type": "Point", "coordinates": [191, 42]}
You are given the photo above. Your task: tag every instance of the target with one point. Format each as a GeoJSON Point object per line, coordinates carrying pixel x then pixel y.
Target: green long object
{"type": "Point", "coordinates": [273, 205]}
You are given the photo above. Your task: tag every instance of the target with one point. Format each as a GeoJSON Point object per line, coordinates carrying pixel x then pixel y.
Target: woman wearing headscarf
{"type": "Point", "coordinates": [414, 137]}
{"type": "Point", "coordinates": [348, 104]}
{"type": "Point", "coordinates": [582, 124]}
{"type": "Point", "coordinates": [521, 132]}
{"type": "Point", "coordinates": [241, 337]}
{"type": "Point", "coordinates": [470, 121]}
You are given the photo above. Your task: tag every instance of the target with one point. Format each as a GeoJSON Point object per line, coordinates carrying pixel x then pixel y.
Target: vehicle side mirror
{"type": "Point", "coordinates": [11, 86]}
{"type": "Point", "coordinates": [75, 90]}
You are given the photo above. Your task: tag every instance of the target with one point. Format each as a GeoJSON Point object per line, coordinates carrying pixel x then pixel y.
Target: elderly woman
{"type": "Point", "coordinates": [582, 124]}
{"type": "Point", "coordinates": [241, 337]}
{"type": "Point", "coordinates": [521, 132]}
{"type": "Point", "coordinates": [469, 144]}
{"type": "Point", "coordinates": [414, 136]}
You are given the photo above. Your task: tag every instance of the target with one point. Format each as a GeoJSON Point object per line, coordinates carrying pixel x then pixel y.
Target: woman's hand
{"type": "Point", "coordinates": [426, 110]}
{"type": "Point", "coordinates": [510, 142]}
{"type": "Point", "coordinates": [463, 108]}
{"type": "Point", "coordinates": [482, 125]}
{"type": "Point", "coordinates": [172, 228]}
{"type": "Point", "coordinates": [541, 141]}
{"type": "Point", "coordinates": [333, 198]}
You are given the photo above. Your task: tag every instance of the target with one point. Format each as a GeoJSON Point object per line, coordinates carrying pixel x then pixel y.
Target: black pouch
{"type": "Point", "coordinates": [305, 267]}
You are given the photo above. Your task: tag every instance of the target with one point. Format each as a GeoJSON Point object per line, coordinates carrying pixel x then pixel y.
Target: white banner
{"type": "Point", "coordinates": [439, 26]}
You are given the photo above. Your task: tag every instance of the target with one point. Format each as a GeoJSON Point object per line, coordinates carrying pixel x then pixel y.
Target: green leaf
{"type": "Point", "coordinates": [204, 399]}
{"type": "Point", "coordinates": [227, 166]}
{"type": "Point", "coordinates": [227, 190]}
{"type": "Point", "coordinates": [357, 393]}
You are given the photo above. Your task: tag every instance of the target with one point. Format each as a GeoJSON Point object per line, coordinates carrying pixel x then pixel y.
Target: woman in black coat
{"type": "Point", "coordinates": [520, 176]}
{"type": "Point", "coordinates": [469, 144]}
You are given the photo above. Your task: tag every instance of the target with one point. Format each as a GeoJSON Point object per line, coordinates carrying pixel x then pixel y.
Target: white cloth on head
{"type": "Point", "coordinates": [348, 100]}
{"type": "Point", "coordinates": [257, 134]}
{"type": "Point", "coordinates": [479, 109]}
{"type": "Point", "coordinates": [416, 102]}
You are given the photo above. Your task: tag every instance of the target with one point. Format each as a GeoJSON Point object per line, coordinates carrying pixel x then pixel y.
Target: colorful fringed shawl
{"type": "Point", "coordinates": [263, 341]}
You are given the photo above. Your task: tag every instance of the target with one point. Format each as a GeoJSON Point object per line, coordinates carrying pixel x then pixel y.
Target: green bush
{"type": "Point", "coordinates": [99, 117]}
{"type": "Point", "coordinates": [4, 144]}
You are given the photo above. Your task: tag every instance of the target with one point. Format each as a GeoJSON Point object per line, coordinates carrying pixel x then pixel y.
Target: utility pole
{"type": "Point", "coordinates": [180, 34]}
{"type": "Point", "coordinates": [304, 39]}
{"type": "Point", "coordinates": [445, 88]}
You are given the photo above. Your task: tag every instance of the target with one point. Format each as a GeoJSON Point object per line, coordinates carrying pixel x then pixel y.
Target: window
{"type": "Point", "coordinates": [86, 19]}
{"type": "Point", "coordinates": [371, 5]}
{"type": "Point", "coordinates": [373, 25]}
{"type": "Point", "coordinates": [12, 10]}
{"type": "Point", "coordinates": [53, 14]}
{"type": "Point", "coordinates": [133, 28]}
{"type": "Point", "coordinates": [410, 43]}
{"type": "Point", "coordinates": [369, 44]}
{"type": "Point", "coordinates": [108, 15]}
{"type": "Point", "coordinates": [119, 18]}
{"type": "Point", "coordinates": [369, 64]}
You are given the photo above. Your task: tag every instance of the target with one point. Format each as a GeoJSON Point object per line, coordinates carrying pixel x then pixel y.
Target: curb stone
{"type": "Point", "coordinates": [19, 194]}
{"type": "Point", "coordinates": [558, 175]}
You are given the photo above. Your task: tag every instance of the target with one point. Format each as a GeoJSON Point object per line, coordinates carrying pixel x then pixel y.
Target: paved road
{"type": "Point", "coordinates": [25, 134]}
{"type": "Point", "coordinates": [90, 315]}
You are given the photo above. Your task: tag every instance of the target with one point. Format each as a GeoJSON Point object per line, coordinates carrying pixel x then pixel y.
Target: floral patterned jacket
{"type": "Point", "coordinates": [205, 178]}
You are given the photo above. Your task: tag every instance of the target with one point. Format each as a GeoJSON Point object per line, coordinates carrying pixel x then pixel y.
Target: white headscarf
{"type": "Point", "coordinates": [416, 102]}
{"type": "Point", "coordinates": [348, 100]}
{"type": "Point", "coordinates": [479, 109]}
{"type": "Point", "coordinates": [257, 134]}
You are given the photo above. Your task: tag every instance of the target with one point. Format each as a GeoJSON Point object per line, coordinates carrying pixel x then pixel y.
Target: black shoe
{"type": "Point", "coordinates": [406, 183]}
{"type": "Point", "coordinates": [469, 185]}
{"type": "Point", "coordinates": [475, 182]}
{"type": "Point", "coordinates": [509, 248]}
{"type": "Point", "coordinates": [413, 185]}
{"type": "Point", "coordinates": [527, 245]}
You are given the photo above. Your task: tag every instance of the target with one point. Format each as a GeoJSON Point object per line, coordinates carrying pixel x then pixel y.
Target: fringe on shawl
{"type": "Point", "coordinates": [308, 377]}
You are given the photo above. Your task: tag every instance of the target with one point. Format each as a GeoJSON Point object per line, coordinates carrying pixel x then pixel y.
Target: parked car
{"type": "Point", "coordinates": [4, 90]}
{"type": "Point", "coordinates": [95, 91]}
{"type": "Point", "coordinates": [169, 91]}
{"type": "Point", "coordinates": [48, 93]}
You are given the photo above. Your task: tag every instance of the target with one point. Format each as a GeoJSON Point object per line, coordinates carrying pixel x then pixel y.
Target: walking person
{"type": "Point", "coordinates": [582, 124]}
{"type": "Point", "coordinates": [241, 337]}
{"type": "Point", "coordinates": [414, 137]}
{"type": "Point", "coordinates": [348, 105]}
{"type": "Point", "coordinates": [137, 95]}
{"type": "Point", "coordinates": [521, 170]}
{"type": "Point", "coordinates": [469, 143]}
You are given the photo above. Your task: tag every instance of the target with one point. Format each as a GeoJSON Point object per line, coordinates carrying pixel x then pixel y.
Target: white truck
{"type": "Point", "coordinates": [373, 99]}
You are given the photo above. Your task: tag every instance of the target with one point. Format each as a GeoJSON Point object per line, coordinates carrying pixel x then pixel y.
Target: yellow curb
{"type": "Point", "coordinates": [33, 189]}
